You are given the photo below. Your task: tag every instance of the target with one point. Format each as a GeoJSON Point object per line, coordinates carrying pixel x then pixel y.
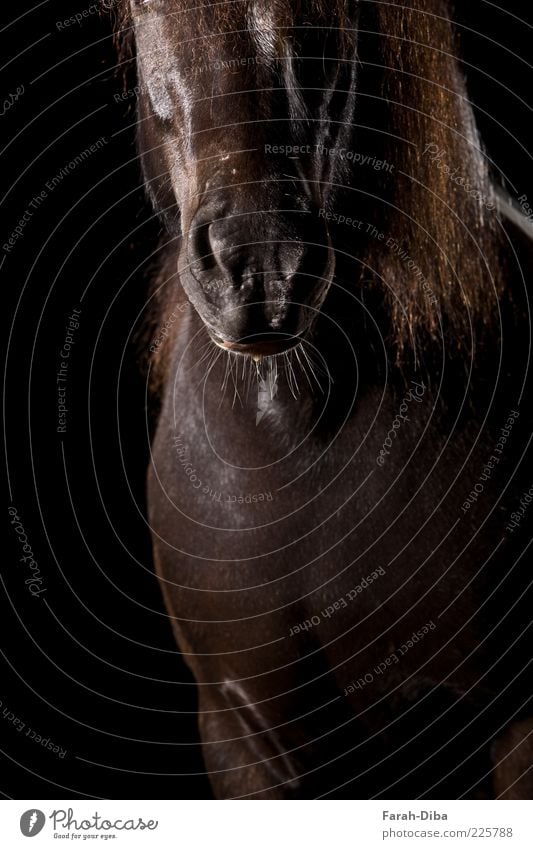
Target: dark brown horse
{"type": "Point", "coordinates": [338, 490]}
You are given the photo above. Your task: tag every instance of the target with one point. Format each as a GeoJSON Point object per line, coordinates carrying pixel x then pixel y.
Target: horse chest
{"type": "Point", "coordinates": [241, 508]}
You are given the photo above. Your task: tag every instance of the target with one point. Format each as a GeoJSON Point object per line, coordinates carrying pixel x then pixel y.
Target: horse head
{"type": "Point", "coordinates": [240, 151]}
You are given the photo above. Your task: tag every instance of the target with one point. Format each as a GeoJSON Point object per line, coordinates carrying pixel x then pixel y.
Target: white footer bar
{"type": "Point", "coordinates": [267, 825]}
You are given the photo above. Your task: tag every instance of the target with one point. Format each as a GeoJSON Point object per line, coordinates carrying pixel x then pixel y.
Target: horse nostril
{"type": "Point", "coordinates": [212, 247]}
{"type": "Point", "coordinates": [232, 260]}
{"type": "Point", "coordinates": [200, 253]}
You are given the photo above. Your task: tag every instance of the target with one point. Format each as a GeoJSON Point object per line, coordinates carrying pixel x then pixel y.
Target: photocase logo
{"type": "Point", "coordinates": [32, 822]}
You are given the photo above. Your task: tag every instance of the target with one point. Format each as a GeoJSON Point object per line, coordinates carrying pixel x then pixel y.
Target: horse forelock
{"type": "Point", "coordinates": [229, 12]}
{"type": "Point", "coordinates": [265, 19]}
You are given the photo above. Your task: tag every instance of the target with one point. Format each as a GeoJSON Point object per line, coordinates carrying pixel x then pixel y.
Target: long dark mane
{"type": "Point", "coordinates": [437, 269]}
{"type": "Point", "coordinates": [443, 211]}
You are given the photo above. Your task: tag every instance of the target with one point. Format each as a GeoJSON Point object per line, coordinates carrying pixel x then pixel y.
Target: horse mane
{"type": "Point", "coordinates": [438, 268]}
{"type": "Point", "coordinates": [444, 274]}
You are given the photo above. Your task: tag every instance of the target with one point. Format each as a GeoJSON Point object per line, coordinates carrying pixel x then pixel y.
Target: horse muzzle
{"type": "Point", "coordinates": [255, 283]}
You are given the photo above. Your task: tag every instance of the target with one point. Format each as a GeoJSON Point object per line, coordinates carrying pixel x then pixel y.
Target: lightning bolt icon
{"type": "Point", "coordinates": [33, 820]}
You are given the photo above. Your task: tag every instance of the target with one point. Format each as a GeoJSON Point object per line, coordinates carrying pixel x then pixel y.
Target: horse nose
{"type": "Point", "coordinates": [256, 271]}
{"type": "Point", "coordinates": [229, 250]}
{"type": "Point", "coordinates": [247, 254]}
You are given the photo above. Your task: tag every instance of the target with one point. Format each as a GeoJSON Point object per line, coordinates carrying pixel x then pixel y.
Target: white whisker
{"type": "Point", "coordinates": [314, 368]}
{"type": "Point", "coordinates": [234, 378]}
{"type": "Point", "coordinates": [291, 379]}
{"type": "Point", "coordinates": [302, 366]}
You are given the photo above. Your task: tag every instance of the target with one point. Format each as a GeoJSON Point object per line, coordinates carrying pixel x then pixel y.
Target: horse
{"type": "Point", "coordinates": [337, 353]}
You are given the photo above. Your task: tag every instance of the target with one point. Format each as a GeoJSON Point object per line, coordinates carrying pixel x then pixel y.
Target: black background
{"type": "Point", "coordinates": [92, 664]}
